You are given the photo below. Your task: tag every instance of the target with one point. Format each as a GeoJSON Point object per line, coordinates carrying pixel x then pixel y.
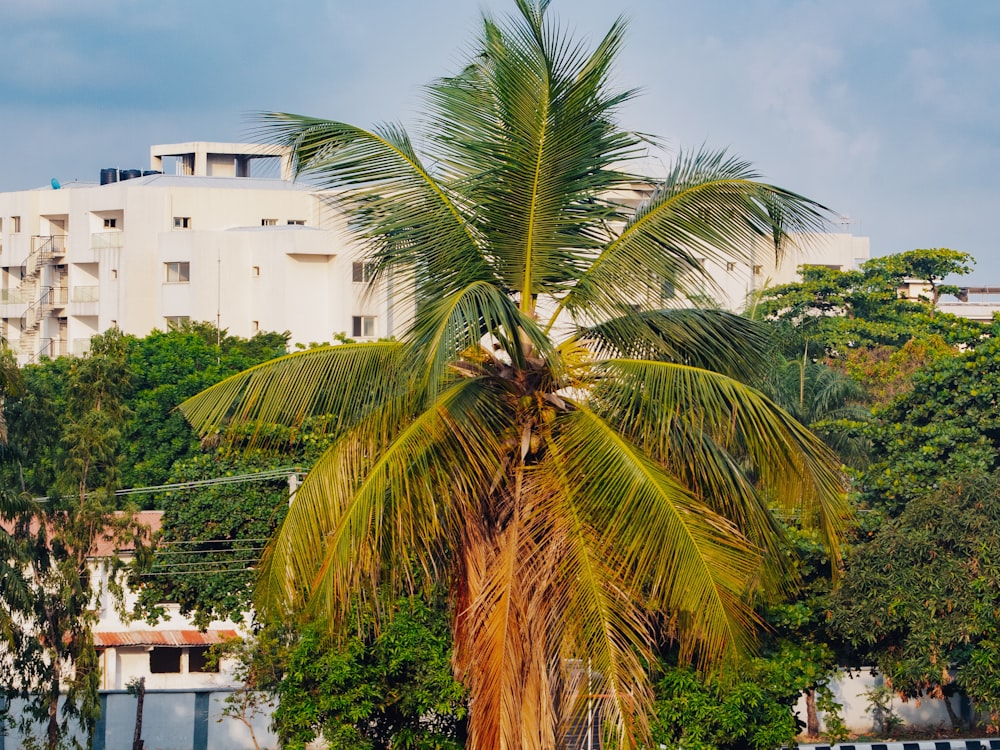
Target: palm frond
{"type": "Point", "coordinates": [674, 550]}
{"type": "Point", "coordinates": [791, 466]}
{"type": "Point", "coordinates": [527, 131]}
{"type": "Point", "coordinates": [406, 219]}
{"type": "Point", "coordinates": [341, 383]}
{"type": "Point", "coordinates": [710, 206]}
{"type": "Point", "coordinates": [604, 632]}
{"type": "Point", "coordinates": [477, 316]}
{"type": "Point", "coordinates": [710, 339]}
{"type": "Point", "coordinates": [378, 503]}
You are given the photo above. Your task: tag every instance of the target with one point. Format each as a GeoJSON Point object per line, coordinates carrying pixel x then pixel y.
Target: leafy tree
{"type": "Point", "coordinates": [833, 312]}
{"type": "Point", "coordinates": [376, 688]}
{"type": "Point", "coordinates": [931, 266]}
{"type": "Point", "coordinates": [161, 370]}
{"type": "Point", "coordinates": [168, 367]}
{"type": "Point", "coordinates": [921, 599]}
{"type": "Point", "coordinates": [733, 712]}
{"type": "Point", "coordinates": [212, 536]}
{"type": "Point", "coordinates": [947, 426]}
{"type": "Point", "coordinates": [547, 439]}
{"type": "Point", "coordinates": [52, 605]}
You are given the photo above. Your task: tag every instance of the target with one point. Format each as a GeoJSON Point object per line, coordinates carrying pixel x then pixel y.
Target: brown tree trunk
{"type": "Point", "coordinates": [141, 694]}
{"type": "Point", "coordinates": [52, 733]}
{"type": "Point", "coordinates": [812, 718]}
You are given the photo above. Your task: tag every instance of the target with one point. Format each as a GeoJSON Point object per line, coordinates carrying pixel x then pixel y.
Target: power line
{"type": "Point", "coordinates": [258, 476]}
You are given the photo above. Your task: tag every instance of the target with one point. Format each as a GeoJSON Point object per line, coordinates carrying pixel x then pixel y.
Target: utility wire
{"type": "Point", "coordinates": [259, 476]}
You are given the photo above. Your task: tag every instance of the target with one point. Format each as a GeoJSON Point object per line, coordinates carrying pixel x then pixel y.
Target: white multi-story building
{"type": "Point", "coordinates": [144, 250]}
{"type": "Point", "coordinates": [736, 282]}
{"type": "Point", "coordinates": [152, 250]}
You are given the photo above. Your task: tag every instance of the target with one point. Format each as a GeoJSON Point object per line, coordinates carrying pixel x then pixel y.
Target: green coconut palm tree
{"type": "Point", "coordinates": [587, 470]}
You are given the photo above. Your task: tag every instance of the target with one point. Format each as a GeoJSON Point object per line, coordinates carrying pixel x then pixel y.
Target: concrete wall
{"type": "Point", "coordinates": [924, 714]}
{"type": "Point", "coordinates": [171, 720]}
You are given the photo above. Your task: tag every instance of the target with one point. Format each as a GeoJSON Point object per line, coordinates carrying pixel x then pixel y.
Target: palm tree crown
{"type": "Point", "coordinates": [579, 463]}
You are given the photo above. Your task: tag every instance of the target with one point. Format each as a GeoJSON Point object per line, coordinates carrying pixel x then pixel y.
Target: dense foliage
{"type": "Point", "coordinates": [946, 427]}
{"type": "Point", "coordinates": [922, 598]}
{"type": "Point", "coordinates": [373, 689]}
{"type": "Point", "coordinates": [155, 374]}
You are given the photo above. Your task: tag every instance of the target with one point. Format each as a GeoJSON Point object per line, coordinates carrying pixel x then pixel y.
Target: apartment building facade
{"type": "Point", "coordinates": [145, 250]}
{"type": "Point", "coordinates": [142, 250]}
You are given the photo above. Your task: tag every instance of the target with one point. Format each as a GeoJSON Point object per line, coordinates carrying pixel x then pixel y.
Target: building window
{"type": "Point", "coordinates": [182, 222]}
{"type": "Point", "coordinates": [114, 273]}
{"type": "Point", "coordinates": [363, 326]}
{"type": "Point", "coordinates": [15, 224]}
{"type": "Point", "coordinates": [362, 272]}
{"type": "Point", "coordinates": [111, 223]}
{"type": "Point", "coordinates": [297, 222]}
{"type": "Point", "coordinates": [730, 266]}
{"type": "Point", "coordinates": [269, 222]}
{"type": "Point", "coordinates": [254, 326]}
{"type": "Point", "coordinates": [198, 660]}
{"type": "Point", "coordinates": [165, 660]}
{"type": "Point", "coordinates": [177, 272]}
{"type": "Point", "coordinates": [758, 270]}
{"type": "Point", "coordinates": [176, 322]}
{"type": "Point", "coordinates": [255, 270]}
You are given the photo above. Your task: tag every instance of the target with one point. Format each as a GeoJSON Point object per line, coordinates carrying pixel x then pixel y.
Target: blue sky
{"type": "Point", "coordinates": [886, 111]}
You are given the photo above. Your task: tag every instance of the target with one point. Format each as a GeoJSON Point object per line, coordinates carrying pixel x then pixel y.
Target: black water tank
{"type": "Point", "coordinates": [109, 175]}
{"type": "Point", "coordinates": [148, 172]}
{"type": "Point", "coordinates": [128, 174]}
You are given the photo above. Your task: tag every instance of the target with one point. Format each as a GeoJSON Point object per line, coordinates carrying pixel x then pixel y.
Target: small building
{"type": "Point", "coordinates": [173, 654]}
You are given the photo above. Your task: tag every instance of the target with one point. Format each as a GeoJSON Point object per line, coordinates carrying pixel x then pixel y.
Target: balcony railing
{"type": "Point", "coordinates": [13, 296]}
{"type": "Point", "coordinates": [106, 240]}
{"type": "Point", "coordinates": [85, 294]}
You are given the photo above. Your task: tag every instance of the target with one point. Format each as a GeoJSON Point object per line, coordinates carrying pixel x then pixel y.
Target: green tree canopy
{"type": "Point", "coordinates": [574, 460]}
{"type": "Point", "coordinates": [833, 312]}
{"type": "Point", "coordinates": [946, 427]}
{"type": "Point", "coordinates": [921, 599]}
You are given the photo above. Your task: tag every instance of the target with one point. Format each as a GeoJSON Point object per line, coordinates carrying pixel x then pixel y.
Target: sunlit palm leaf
{"type": "Point", "coordinates": [791, 465]}
{"type": "Point", "coordinates": [407, 219]}
{"type": "Point", "coordinates": [527, 132]}
{"type": "Point", "coordinates": [475, 317]}
{"type": "Point", "coordinates": [711, 339]}
{"type": "Point", "coordinates": [710, 206]}
{"type": "Point", "coordinates": [684, 557]}
{"type": "Point", "coordinates": [383, 494]}
{"type": "Point", "coordinates": [341, 383]}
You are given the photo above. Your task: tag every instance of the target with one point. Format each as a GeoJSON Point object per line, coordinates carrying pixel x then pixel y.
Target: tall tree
{"type": "Point", "coordinates": [52, 546]}
{"type": "Point", "coordinates": [572, 458]}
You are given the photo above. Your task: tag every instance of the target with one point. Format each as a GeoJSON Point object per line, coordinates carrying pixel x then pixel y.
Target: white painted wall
{"type": "Point", "coordinates": [850, 688]}
{"type": "Point", "coordinates": [168, 723]}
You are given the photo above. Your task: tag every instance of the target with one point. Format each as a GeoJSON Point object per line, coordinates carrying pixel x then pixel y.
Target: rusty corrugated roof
{"type": "Point", "coordinates": [120, 638]}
